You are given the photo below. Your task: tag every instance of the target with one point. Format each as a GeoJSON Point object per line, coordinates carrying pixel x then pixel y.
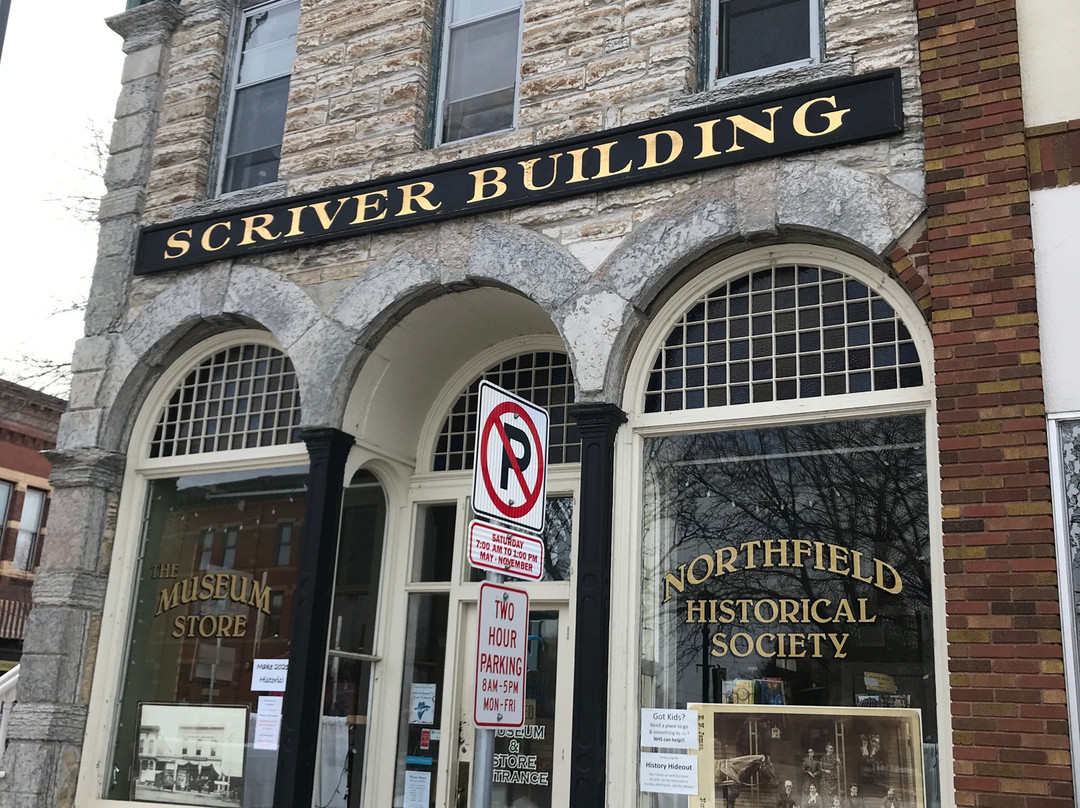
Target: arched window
{"type": "Point", "coordinates": [780, 414]}
{"type": "Point", "coordinates": [238, 398]}
{"type": "Point", "coordinates": [778, 333]}
{"type": "Point", "coordinates": [208, 561]}
{"type": "Point", "coordinates": [544, 378]}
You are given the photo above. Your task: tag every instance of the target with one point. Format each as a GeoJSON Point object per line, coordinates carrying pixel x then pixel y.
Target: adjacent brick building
{"type": "Point", "coordinates": [28, 423]}
{"type": "Point", "coordinates": [792, 280]}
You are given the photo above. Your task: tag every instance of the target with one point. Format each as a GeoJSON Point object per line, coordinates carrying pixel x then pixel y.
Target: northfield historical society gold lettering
{"type": "Point", "coordinates": [212, 586]}
{"type": "Point", "coordinates": [782, 554]}
{"type": "Point", "coordinates": [711, 139]}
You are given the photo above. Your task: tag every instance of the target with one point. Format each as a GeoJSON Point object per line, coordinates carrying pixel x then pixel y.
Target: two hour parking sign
{"type": "Point", "coordinates": [510, 480]}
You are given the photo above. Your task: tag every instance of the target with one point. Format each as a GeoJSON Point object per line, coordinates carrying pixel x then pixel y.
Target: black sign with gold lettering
{"type": "Point", "coordinates": [826, 115]}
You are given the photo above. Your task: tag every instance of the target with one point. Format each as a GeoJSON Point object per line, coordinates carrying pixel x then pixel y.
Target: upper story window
{"type": "Point", "coordinates": [260, 95]}
{"type": "Point", "coordinates": [758, 36]}
{"type": "Point", "coordinates": [481, 48]}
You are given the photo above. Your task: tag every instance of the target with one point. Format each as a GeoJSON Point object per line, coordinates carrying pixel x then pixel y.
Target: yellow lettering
{"type": "Point", "coordinates": [708, 139]}
{"type": "Point", "coordinates": [835, 118]}
{"type": "Point", "coordinates": [482, 181]}
{"type": "Point", "coordinates": [692, 577]}
{"type": "Point", "coordinates": [259, 223]}
{"type": "Point", "coordinates": [838, 641]}
{"type": "Point", "coordinates": [577, 175]}
{"type": "Point", "coordinates": [671, 581]}
{"type": "Point", "coordinates": [674, 144]}
{"type": "Point", "coordinates": [725, 560]}
{"type": "Point", "coordinates": [761, 647]}
{"type": "Point", "coordinates": [863, 617]}
{"type": "Point", "coordinates": [260, 597]}
{"type": "Point", "coordinates": [410, 195]}
{"type": "Point", "coordinates": [720, 641]}
{"type": "Point", "coordinates": [838, 555]}
{"type": "Point", "coordinates": [740, 123]}
{"type": "Point", "coordinates": [325, 219]}
{"type": "Point", "coordinates": [364, 204]}
{"type": "Point", "coordinates": [168, 599]}
{"type": "Point", "coordinates": [205, 241]}
{"type": "Point", "coordinates": [178, 627]}
{"type": "Point", "coordinates": [177, 243]}
{"type": "Point", "coordinates": [605, 162]}
{"type": "Point", "coordinates": [527, 167]}
{"type": "Point", "coordinates": [693, 606]}
{"type": "Point", "coordinates": [897, 584]}
{"type": "Point", "coordinates": [294, 222]}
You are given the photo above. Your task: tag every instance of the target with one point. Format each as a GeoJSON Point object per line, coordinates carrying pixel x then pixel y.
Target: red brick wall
{"type": "Point", "coordinates": [1054, 155]}
{"type": "Point", "coordinates": [1010, 723]}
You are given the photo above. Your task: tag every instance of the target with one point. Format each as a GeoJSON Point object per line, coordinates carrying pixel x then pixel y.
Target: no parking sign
{"type": "Point", "coordinates": [510, 479]}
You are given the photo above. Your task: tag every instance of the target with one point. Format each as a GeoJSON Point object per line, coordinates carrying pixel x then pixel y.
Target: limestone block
{"type": "Point", "coordinates": [70, 588]}
{"type": "Point", "coordinates": [84, 388]}
{"type": "Point", "coordinates": [76, 523]}
{"type": "Point", "coordinates": [32, 721]}
{"type": "Point", "coordinates": [91, 353]}
{"type": "Point", "coordinates": [590, 328]}
{"type": "Point", "coordinates": [78, 429]}
{"type": "Point", "coordinates": [280, 305]}
{"type": "Point", "coordinates": [320, 357]}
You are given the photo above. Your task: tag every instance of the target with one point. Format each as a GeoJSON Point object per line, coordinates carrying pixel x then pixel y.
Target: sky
{"type": "Point", "coordinates": [59, 80]}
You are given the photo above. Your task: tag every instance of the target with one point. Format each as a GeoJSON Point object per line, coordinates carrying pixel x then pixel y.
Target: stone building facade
{"type": "Point", "coordinates": [799, 489]}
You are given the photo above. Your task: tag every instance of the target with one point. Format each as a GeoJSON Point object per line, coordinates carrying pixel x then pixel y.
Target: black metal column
{"type": "Point", "coordinates": [597, 425]}
{"type": "Point", "coordinates": [328, 450]}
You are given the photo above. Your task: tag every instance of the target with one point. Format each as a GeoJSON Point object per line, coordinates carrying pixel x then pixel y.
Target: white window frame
{"type": "Point", "coordinates": [444, 72]}
{"type": "Point", "coordinates": [235, 87]}
{"type": "Point", "coordinates": [713, 27]}
{"type": "Point", "coordinates": [35, 531]}
{"type": "Point", "coordinates": [1069, 639]}
{"type": "Point", "coordinates": [626, 607]}
{"type": "Point", "coordinates": [118, 612]}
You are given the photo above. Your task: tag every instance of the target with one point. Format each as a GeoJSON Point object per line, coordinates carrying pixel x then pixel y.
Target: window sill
{"type": "Point", "coordinates": [739, 89]}
{"type": "Point", "coordinates": [233, 200]}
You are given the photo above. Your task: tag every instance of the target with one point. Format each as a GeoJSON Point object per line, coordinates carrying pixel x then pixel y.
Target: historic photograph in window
{"type": "Point", "coordinates": [790, 566]}
{"type": "Point", "coordinates": [809, 757]}
{"type": "Point", "coordinates": [191, 754]}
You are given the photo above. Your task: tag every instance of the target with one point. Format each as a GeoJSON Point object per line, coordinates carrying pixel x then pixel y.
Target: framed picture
{"type": "Point", "coordinates": [772, 756]}
{"type": "Point", "coordinates": [191, 754]}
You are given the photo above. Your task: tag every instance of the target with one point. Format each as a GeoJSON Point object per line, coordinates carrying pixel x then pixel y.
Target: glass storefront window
{"type": "Point", "coordinates": [196, 725]}
{"type": "Point", "coordinates": [787, 593]}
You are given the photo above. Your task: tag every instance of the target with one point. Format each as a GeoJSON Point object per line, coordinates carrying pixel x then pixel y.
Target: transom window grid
{"type": "Point", "coordinates": [782, 333]}
{"type": "Point", "coordinates": [241, 397]}
{"type": "Point", "coordinates": [260, 95]}
{"type": "Point", "coordinates": [544, 378]}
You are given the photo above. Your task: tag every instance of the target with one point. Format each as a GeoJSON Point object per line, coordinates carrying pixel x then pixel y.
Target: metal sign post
{"type": "Point", "coordinates": [484, 744]}
{"type": "Point", "coordinates": [509, 486]}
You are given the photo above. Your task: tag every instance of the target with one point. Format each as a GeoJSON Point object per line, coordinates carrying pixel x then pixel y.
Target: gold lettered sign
{"type": "Point", "coordinates": [830, 114]}
{"type": "Point", "coordinates": [834, 616]}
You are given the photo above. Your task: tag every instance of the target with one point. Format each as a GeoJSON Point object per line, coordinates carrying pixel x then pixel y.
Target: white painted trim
{"type": "Point", "coordinates": [1065, 586]}
{"type": "Point", "coordinates": [459, 382]}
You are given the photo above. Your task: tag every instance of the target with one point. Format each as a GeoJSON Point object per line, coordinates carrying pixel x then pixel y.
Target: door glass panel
{"type": "Point", "coordinates": [419, 732]}
{"type": "Point", "coordinates": [352, 628]}
{"type": "Point", "coordinates": [525, 759]}
{"type": "Point", "coordinates": [434, 557]}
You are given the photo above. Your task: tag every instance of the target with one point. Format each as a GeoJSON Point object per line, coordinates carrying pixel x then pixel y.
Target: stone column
{"type": "Point", "coordinates": [597, 424]}
{"type": "Point", "coordinates": [46, 728]}
{"type": "Point", "coordinates": [302, 708]}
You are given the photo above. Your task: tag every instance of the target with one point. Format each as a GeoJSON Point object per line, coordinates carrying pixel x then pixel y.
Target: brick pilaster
{"type": "Point", "coordinates": [1010, 722]}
